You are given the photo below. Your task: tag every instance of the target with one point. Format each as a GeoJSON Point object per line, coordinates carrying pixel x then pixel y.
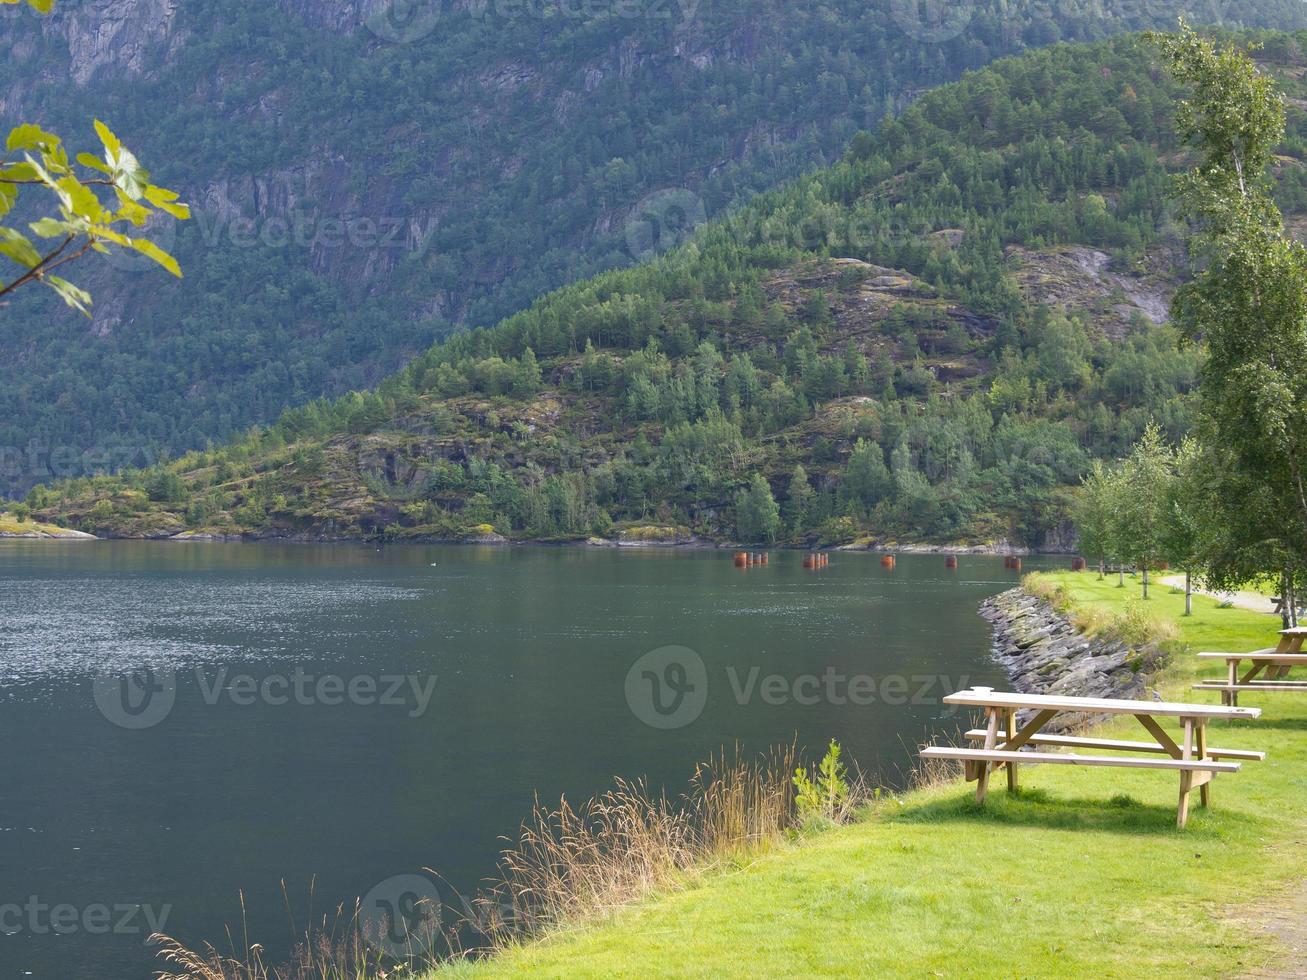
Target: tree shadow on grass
{"type": "Point", "coordinates": [1120, 814]}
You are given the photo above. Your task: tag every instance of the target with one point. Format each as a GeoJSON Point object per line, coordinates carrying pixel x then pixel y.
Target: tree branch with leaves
{"type": "Point", "coordinates": [86, 219]}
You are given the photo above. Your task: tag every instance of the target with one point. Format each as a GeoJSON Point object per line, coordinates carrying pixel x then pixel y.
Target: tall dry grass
{"type": "Point", "coordinates": [332, 947]}
{"type": "Point", "coordinates": [1135, 625]}
{"type": "Point", "coordinates": [571, 865]}
{"type": "Point", "coordinates": [568, 865]}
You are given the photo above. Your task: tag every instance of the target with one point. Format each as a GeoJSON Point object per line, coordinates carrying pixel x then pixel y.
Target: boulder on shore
{"type": "Point", "coordinates": [1044, 653]}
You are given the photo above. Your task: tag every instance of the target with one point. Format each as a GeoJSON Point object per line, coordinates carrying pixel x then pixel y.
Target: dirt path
{"type": "Point", "coordinates": [1243, 600]}
{"type": "Point", "coordinates": [1285, 918]}
{"type": "Point", "coordinates": [1284, 915]}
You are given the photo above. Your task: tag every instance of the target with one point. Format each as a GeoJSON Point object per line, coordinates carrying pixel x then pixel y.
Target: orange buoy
{"type": "Point", "coordinates": [951, 561]}
{"type": "Point", "coordinates": [1007, 561]}
{"type": "Point", "coordinates": [886, 561]}
{"type": "Point", "coordinates": [765, 556]}
{"type": "Point", "coordinates": [741, 559]}
{"type": "Point", "coordinates": [1016, 564]}
{"type": "Point", "coordinates": [807, 561]}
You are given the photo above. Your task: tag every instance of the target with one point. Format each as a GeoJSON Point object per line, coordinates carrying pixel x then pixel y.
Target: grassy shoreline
{"type": "Point", "coordinates": [1083, 871]}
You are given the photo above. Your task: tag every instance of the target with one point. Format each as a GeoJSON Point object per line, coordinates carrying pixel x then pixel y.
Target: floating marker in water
{"type": "Point", "coordinates": [951, 561]}
{"type": "Point", "coordinates": [887, 561]}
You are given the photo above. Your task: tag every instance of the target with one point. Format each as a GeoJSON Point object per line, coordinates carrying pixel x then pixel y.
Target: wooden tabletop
{"type": "Point", "coordinates": [1294, 631]}
{"type": "Point", "coordinates": [1049, 702]}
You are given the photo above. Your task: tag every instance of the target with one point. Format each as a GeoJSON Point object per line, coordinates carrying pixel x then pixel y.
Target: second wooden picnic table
{"type": "Point", "coordinates": [1195, 760]}
{"type": "Point", "coordinates": [1274, 663]}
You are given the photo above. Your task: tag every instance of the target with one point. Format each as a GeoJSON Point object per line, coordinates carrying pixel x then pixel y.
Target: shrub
{"type": "Point", "coordinates": [824, 795]}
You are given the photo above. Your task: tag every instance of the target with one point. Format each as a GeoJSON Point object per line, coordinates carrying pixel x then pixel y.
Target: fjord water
{"type": "Point", "coordinates": [514, 667]}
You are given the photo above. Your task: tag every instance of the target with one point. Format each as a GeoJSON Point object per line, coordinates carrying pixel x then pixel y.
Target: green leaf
{"type": "Point", "coordinates": [8, 195]}
{"type": "Point", "coordinates": [16, 246]}
{"type": "Point", "coordinates": [181, 212]}
{"type": "Point", "coordinates": [153, 251]}
{"type": "Point", "coordinates": [111, 142]}
{"type": "Point", "coordinates": [30, 136]}
{"type": "Point", "coordinates": [158, 195]}
{"type": "Point", "coordinates": [78, 299]}
{"type": "Point", "coordinates": [94, 162]}
{"type": "Point", "coordinates": [40, 6]}
{"type": "Point", "coordinates": [80, 200]}
{"type": "Point", "coordinates": [52, 228]}
{"type": "Point", "coordinates": [163, 199]}
{"type": "Point", "coordinates": [19, 172]}
{"type": "Point", "coordinates": [109, 235]}
{"type": "Point", "coordinates": [137, 214]}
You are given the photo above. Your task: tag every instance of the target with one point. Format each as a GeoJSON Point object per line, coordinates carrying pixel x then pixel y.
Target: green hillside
{"type": "Point", "coordinates": [927, 341]}
{"type": "Point", "coordinates": [362, 186]}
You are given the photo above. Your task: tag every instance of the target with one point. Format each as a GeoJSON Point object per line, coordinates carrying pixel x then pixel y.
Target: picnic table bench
{"type": "Point", "coordinates": [1004, 745]}
{"type": "Point", "coordinates": [1275, 661]}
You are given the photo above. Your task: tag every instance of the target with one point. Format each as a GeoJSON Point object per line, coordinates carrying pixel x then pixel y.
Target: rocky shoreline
{"type": "Point", "coordinates": [1043, 653]}
{"type": "Point", "coordinates": [45, 533]}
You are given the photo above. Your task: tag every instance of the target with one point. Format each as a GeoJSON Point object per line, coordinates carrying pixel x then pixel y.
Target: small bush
{"type": "Point", "coordinates": [824, 796]}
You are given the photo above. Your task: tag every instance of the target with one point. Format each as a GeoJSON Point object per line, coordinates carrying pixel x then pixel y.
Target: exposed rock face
{"type": "Point", "coordinates": [120, 35]}
{"type": "Point", "coordinates": [1044, 653]}
{"type": "Point", "coordinates": [1075, 277]}
{"type": "Point", "coordinates": [45, 531]}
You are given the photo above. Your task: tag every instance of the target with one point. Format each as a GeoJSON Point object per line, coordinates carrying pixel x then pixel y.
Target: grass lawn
{"type": "Point", "coordinates": [1083, 873]}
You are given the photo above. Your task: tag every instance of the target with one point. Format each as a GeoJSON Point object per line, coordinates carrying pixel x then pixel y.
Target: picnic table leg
{"type": "Point", "coordinates": [1011, 734]}
{"type": "Point", "coordinates": [1231, 698]}
{"type": "Point", "coordinates": [1205, 790]}
{"type": "Point", "coordinates": [1295, 646]}
{"type": "Point", "coordinates": [991, 739]}
{"type": "Point", "coordinates": [1186, 776]}
{"type": "Point", "coordinates": [1287, 644]}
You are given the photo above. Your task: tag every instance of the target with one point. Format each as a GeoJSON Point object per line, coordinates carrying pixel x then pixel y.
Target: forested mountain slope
{"type": "Point", "coordinates": [363, 179]}
{"type": "Point", "coordinates": [929, 340]}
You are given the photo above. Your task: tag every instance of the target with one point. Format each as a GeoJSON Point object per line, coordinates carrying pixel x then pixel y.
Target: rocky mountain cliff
{"type": "Point", "coordinates": [366, 175]}
{"type": "Point", "coordinates": [928, 341]}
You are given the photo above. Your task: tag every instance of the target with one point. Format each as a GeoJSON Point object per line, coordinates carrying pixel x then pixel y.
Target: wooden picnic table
{"type": "Point", "coordinates": [1004, 743]}
{"type": "Point", "coordinates": [1275, 662]}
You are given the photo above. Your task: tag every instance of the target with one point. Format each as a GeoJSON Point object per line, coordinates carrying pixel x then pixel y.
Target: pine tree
{"type": "Point", "coordinates": [757, 518]}
{"type": "Point", "coordinates": [796, 504]}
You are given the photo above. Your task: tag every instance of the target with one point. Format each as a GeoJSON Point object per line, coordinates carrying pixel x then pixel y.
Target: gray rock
{"type": "Point", "coordinates": [1043, 653]}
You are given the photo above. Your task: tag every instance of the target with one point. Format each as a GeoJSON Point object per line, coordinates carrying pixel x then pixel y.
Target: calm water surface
{"type": "Point", "coordinates": [519, 675]}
